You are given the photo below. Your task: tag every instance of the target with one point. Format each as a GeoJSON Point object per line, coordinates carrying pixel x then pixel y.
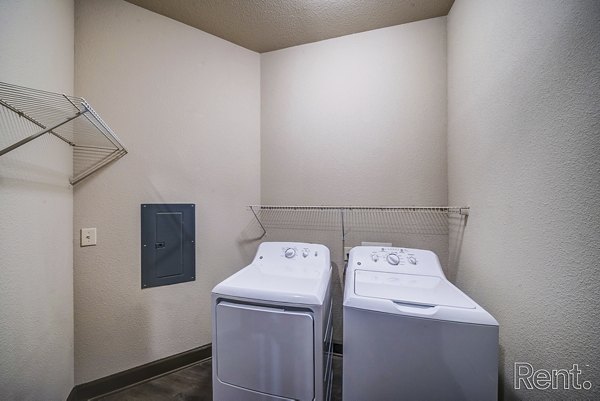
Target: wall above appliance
{"type": "Point", "coordinates": [27, 114]}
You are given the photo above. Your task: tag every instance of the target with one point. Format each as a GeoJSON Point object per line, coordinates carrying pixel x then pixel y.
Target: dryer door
{"type": "Point", "coordinates": [265, 349]}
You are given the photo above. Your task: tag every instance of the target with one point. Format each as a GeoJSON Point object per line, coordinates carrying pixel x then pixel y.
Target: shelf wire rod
{"type": "Point", "coordinates": [55, 103]}
{"type": "Point", "coordinates": [118, 153]}
{"type": "Point", "coordinates": [21, 89]}
{"type": "Point", "coordinates": [92, 147]}
{"type": "Point", "coordinates": [33, 121]}
{"type": "Point", "coordinates": [69, 100]}
{"type": "Point", "coordinates": [111, 136]}
{"type": "Point", "coordinates": [40, 114]}
{"type": "Point", "coordinates": [37, 135]}
{"type": "Point", "coordinates": [50, 104]}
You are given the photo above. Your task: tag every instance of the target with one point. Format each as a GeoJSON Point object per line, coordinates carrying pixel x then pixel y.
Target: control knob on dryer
{"type": "Point", "coordinates": [393, 259]}
{"type": "Point", "coordinates": [290, 253]}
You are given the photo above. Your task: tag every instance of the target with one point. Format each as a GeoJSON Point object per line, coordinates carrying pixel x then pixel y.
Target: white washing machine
{"type": "Point", "coordinates": [409, 334]}
{"type": "Point", "coordinates": [272, 330]}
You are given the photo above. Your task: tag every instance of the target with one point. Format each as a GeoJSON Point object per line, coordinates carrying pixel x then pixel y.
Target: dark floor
{"type": "Point", "coordinates": [194, 383]}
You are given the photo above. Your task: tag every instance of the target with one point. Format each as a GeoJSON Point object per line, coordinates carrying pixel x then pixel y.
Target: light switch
{"type": "Point", "coordinates": [88, 236]}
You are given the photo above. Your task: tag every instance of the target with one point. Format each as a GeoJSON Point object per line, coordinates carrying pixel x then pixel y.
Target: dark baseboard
{"type": "Point", "coordinates": [105, 385]}
{"type": "Point", "coordinates": [72, 395]}
{"type": "Point", "coordinates": [117, 381]}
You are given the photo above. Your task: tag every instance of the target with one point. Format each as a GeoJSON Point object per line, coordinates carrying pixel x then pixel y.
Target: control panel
{"type": "Point", "coordinates": [290, 252]}
{"type": "Point", "coordinates": [392, 259]}
{"type": "Point", "coordinates": [394, 256]}
{"type": "Point", "coordinates": [299, 251]}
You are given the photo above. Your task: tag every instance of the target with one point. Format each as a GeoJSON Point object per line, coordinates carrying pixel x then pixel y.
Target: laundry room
{"type": "Point", "coordinates": [348, 141]}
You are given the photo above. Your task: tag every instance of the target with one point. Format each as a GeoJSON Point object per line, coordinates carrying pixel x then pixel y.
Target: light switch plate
{"type": "Point", "coordinates": [88, 236]}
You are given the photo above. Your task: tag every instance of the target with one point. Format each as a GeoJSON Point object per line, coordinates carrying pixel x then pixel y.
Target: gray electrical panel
{"type": "Point", "coordinates": [168, 244]}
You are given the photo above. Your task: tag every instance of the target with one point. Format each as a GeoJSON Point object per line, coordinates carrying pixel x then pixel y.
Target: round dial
{"type": "Point", "coordinates": [393, 259]}
{"type": "Point", "coordinates": [412, 260]}
{"type": "Point", "coordinates": [305, 253]}
{"type": "Point", "coordinates": [375, 257]}
{"type": "Point", "coordinates": [290, 253]}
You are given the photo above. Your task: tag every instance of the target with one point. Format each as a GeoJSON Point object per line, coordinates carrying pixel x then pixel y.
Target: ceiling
{"type": "Point", "coordinates": [267, 25]}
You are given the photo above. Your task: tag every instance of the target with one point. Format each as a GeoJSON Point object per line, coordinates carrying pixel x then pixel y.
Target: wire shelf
{"type": "Point", "coordinates": [421, 220]}
{"type": "Point", "coordinates": [27, 114]}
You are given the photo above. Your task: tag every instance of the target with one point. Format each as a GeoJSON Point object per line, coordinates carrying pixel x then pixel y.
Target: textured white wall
{"type": "Point", "coordinates": [524, 152]}
{"type": "Point", "coordinates": [36, 213]}
{"type": "Point", "coordinates": [187, 106]}
{"type": "Point", "coordinates": [359, 119]}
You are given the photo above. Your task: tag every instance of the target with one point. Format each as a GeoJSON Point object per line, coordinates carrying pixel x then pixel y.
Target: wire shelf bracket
{"type": "Point", "coordinates": [26, 114]}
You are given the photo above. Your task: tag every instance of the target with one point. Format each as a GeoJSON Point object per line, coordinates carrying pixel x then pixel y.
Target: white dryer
{"type": "Point", "coordinates": [272, 327]}
{"type": "Point", "coordinates": [409, 334]}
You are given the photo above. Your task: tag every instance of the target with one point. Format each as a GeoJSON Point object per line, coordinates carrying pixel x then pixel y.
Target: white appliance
{"type": "Point", "coordinates": [272, 331]}
{"type": "Point", "coordinates": [409, 334]}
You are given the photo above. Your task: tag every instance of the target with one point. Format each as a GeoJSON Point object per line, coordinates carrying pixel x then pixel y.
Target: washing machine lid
{"type": "Point", "coordinates": [290, 283]}
{"type": "Point", "coordinates": [410, 289]}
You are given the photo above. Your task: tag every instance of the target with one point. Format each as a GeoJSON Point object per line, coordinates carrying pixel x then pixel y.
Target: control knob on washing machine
{"type": "Point", "coordinates": [393, 259]}
{"type": "Point", "coordinates": [290, 253]}
{"type": "Point", "coordinates": [412, 260]}
{"type": "Point", "coordinates": [375, 257]}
